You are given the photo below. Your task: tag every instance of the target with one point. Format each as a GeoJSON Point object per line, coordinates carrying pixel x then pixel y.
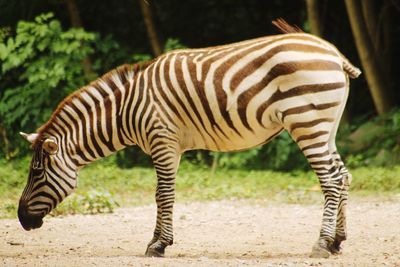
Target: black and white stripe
{"type": "Point", "coordinates": [224, 98]}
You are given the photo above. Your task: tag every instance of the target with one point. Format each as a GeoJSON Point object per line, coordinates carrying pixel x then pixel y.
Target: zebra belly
{"type": "Point", "coordinates": [232, 141]}
{"type": "Point", "coordinates": [252, 140]}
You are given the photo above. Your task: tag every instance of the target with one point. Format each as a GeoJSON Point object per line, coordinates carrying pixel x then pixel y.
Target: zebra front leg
{"type": "Point", "coordinates": [166, 167]}
{"type": "Point", "coordinates": [157, 230]}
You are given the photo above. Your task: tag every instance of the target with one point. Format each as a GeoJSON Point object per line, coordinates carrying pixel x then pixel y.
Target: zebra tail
{"type": "Point", "coordinates": [285, 27]}
{"type": "Point", "coordinates": [349, 68]}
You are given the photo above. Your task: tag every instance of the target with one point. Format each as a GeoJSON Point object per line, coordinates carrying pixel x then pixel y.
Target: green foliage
{"type": "Point", "coordinates": [236, 159]}
{"type": "Point", "coordinates": [138, 57]}
{"type": "Point", "coordinates": [376, 179]}
{"type": "Point", "coordinates": [173, 44]}
{"type": "Point", "coordinates": [4, 32]}
{"type": "Point", "coordinates": [374, 142]}
{"type": "Point", "coordinates": [132, 157]}
{"type": "Point", "coordinates": [280, 154]}
{"type": "Point", "coordinates": [108, 54]}
{"type": "Point", "coordinates": [13, 176]}
{"type": "Point", "coordinates": [92, 201]}
{"type": "Point", "coordinates": [103, 186]}
{"type": "Point", "coordinates": [40, 65]}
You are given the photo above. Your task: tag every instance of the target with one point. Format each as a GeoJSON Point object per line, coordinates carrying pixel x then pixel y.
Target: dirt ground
{"type": "Point", "coordinates": [223, 233]}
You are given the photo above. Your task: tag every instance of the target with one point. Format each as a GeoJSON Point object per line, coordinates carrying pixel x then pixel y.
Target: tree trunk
{"type": "Point", "coordinates": [76, 22]}
{"type": "Point", "coordinates": [378, 22]}
{"type": "Point", "coordinates": [73, 12]}
{"type": "Point", "coordinates": [370, 15]}
{"type": "Point", "coordinates": [151, 29]}
{"type": "Point", "coordinates": [4, 142]}
{"type": "Point", "coordinates": [374, 75]}
{"type": "Point", "coordinates": [387, 40]}
{"type": "Point", "coordinates": [314, 17]}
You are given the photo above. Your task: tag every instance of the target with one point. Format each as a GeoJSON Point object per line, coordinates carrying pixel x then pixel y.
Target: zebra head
{"type": "Point", "coordinates": [50, 180]}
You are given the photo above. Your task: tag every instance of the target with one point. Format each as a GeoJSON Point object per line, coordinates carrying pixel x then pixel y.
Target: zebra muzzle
{"type": "Point", "coordinates": [28, 221]}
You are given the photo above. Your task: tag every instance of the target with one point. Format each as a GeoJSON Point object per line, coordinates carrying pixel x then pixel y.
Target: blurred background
{"type": "Point", "coordinates": [49, 48]}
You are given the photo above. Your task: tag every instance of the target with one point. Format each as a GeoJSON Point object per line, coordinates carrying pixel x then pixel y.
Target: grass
{"type": "Point", "coordinates": [102, 186]}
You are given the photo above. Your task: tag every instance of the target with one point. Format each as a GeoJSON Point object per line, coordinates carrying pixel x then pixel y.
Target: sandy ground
{"type": "Point", "coordinates": [224, 233]}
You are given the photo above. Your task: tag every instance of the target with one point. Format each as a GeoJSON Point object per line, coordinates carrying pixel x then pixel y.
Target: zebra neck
{"type": "Point", "coordinates": [100, 118]}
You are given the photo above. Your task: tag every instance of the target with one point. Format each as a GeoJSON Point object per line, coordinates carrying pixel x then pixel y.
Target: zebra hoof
{"type": "Point", "coordinates": [335, 248]}
{"type": "Point", "coordinates": [155, 250]}
{"type": "Point", "coordinates": [320, 251]}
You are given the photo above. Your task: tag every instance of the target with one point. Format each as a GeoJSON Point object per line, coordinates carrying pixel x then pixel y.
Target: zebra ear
{"type": "Point", "coordinates": [31, 138]}
{"type": "Point", "coordinates": [50, 146]}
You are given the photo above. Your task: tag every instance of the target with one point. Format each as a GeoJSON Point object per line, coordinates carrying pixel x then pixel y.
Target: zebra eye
{"type": "Point", "coordinates": [37, 171]}
{"type": "Point", "coordinates": [50, 147]}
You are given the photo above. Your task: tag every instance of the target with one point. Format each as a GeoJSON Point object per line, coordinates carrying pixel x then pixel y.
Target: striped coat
{"type": "Point", "coordinates": [223, 98]}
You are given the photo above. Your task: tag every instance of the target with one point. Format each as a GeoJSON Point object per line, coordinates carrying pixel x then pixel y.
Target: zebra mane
{"type": "Point", "coordinates": [285, 27]}
{"type": "Point", "coordinates": [124, 72]}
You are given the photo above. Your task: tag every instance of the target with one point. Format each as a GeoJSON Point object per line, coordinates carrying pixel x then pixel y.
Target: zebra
{"type": "Point", "coordinates": [224, 98]}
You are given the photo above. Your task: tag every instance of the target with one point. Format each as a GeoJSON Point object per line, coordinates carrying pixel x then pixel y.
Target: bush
{"type": "Point", "coordinates": [89, 202]}
{"type": "Point", "coordinates": [40, 66]}
{"type": "Point", "coordinates": [279, 154]}
{"type": "Point", "coordinates": [374, 142]}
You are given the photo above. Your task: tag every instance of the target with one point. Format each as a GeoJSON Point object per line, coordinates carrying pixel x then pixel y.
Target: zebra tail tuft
{"type": "Point", "coordinates": [285, 27]}
{"type": "Point", "coordinates": [352, 71]}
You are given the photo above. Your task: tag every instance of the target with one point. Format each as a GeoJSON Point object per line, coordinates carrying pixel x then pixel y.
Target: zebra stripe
{"type": "Point", "coordinates": [223, 98]}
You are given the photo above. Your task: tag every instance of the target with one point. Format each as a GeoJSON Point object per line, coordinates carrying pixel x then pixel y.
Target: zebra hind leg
{"type": "Point", "coordinates": [315, 146]}
{"type": "Point", "coordinates": [341, 229]}
{"type": "Point", "coordinates": [331, 182]}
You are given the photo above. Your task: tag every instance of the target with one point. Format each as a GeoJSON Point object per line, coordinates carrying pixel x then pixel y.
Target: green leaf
{"type": "Point", "coordinates": [3, 51]}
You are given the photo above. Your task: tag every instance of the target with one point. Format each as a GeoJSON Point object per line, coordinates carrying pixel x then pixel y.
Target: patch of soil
{"type": "Point", "coordinates": [223, 233]}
